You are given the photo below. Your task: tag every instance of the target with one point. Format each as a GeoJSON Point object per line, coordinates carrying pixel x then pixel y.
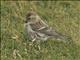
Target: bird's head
{"type": "Point", "coordinates": [31, 16]}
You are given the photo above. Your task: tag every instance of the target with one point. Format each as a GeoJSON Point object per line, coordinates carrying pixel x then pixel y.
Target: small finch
{"type": "Point", "coordinates": [37, 29]}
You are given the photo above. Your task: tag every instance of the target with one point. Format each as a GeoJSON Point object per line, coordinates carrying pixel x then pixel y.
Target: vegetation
{"type": "Point", "coordinates": [64, 16]}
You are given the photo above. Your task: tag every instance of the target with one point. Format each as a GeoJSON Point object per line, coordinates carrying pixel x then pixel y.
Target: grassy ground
{"type": "Point", "coordinates": [63, 16]}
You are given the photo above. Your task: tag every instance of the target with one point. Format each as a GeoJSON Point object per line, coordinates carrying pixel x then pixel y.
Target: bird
{"type": "Point", "coordinates": [38, 29]}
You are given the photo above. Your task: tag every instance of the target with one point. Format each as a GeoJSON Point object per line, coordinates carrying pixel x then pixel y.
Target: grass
{"type": "Point", "coordinates": [64, 16]}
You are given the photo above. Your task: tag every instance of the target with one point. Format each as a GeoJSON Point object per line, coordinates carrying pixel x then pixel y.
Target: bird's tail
{"type": "Point", "coordinates": [64, 38]}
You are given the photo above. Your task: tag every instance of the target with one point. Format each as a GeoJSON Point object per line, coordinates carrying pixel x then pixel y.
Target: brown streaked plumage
{"type": "Point", "coordinates": [37, 29]}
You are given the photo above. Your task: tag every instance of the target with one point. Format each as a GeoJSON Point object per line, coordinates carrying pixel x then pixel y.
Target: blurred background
{"type": "Point", "coordinates": [64, 16]}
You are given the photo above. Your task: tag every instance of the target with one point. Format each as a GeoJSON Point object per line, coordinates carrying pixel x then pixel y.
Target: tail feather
{"type": "Point", "coordinates": [63, 38]}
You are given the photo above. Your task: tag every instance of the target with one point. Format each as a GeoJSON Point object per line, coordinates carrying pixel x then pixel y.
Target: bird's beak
{"type": "Point", "coordinates": [25, 21]}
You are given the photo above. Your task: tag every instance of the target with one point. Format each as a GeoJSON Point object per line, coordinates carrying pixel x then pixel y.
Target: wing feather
{"type": "Point", "coordinates": [43, 28]}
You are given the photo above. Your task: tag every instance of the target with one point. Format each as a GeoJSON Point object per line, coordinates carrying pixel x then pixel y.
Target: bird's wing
{"type": "Point", "coordinates": [51, 32]}
{"type": "Point", "coordinates": [43, 28]}
{"type": "Point", "coordinates": [38, 25]}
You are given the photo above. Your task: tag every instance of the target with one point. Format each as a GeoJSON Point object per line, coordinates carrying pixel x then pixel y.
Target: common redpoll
{"type": "Point", "coordinates": [37, 29]}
